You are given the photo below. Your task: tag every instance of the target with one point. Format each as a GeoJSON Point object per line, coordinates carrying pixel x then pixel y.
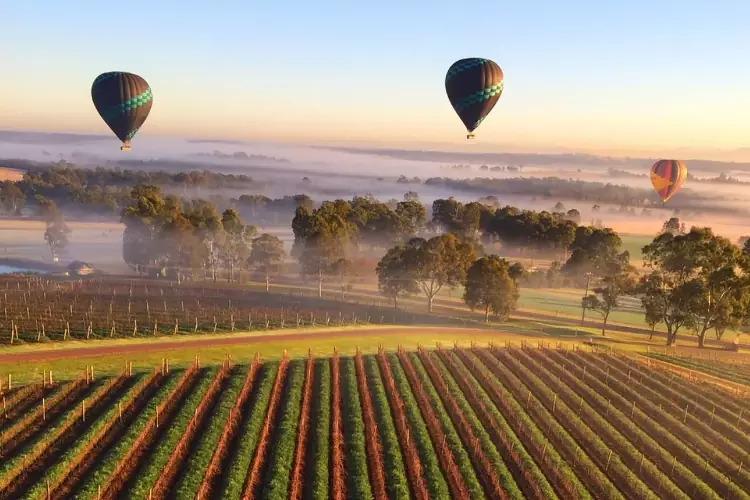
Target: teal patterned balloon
{"type": "Point", "coordinates": [473, 86]}
{"type": "Point", "coordinates": [124, 101]}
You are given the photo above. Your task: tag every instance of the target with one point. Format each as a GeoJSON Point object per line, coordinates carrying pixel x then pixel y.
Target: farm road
{"type": "Point", "coordinates": [136, 347]}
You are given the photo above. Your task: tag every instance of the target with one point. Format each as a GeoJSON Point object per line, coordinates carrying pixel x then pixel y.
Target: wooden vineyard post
{"type": "Point", "coordinates": [83, 410]}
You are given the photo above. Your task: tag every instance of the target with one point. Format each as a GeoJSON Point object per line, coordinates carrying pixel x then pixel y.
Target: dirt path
{"type": "Point", "coordinates": [104, 350]}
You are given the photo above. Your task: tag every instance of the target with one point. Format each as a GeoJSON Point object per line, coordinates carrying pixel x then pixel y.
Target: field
{"type": "Point", "coordinates": [463, 422]}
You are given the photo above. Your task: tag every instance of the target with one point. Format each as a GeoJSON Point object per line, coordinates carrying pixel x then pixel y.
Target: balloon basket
{"type": "Point", "coordinates": [470, 136]}
{"type": "Point", "coordinates": [125, 148]}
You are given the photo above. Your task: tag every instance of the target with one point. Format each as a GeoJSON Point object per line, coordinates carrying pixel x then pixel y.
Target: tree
{"type": "Point", "coordinates": [56, 231]}
{"type": "Point", "coordinates": [559, 207]}
{"type": "Point", "coordinates": [606, 296]}
{"type": "Point", "coordinates": [394, 276]}
{"type": "Point", "coordinates": [573, 215]}
{"type": "Point", "coordinates": [489, 285]}
{"type": "Point", "coordinates": [411, 196]}
{"type": "Point", "coordinates": [267, 256]}
{"type": "Point", "coordinates": [673, 226]}
{"type": "Point", "coordinates": [745, 244]}
{"type": "Point", "coordinates": [413, 218]}
{"type": "Point", "coordinates": [236, 247]}
{"type": "Point", "coordinates": [11, 197]}
{"type": "Point", "coordinates": [664, 304]}
{"type": "Point", "coordinates": [438, 262]}
{"type": "Point", "coordinates": [595, 251]}
{"type": "Point", "coordinates": [143, 219]}
{"type": "Point", "coordinates": [706, 274]}
{"type": "Point", "coordinates": [208, 226]}
{"type": "Point", "coordinates": [321, 237]}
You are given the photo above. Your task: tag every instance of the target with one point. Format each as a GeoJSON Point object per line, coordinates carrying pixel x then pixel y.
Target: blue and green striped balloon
{"type": "Point", "coordinates": [474, 86]}
{"type": "Point", "coordinates": [124, 101]}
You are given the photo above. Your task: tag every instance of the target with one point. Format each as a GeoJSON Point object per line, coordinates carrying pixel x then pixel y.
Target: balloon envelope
{"type": "Point", "coordinates": [473, 86]}
{"type": "Point", "coordinates": [123, 100]}
{"type": "Point", "coordinates": [667, 176]}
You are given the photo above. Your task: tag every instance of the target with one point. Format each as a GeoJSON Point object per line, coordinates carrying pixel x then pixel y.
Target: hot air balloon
{"type": "Point", "coordinates": [667, 176]}
{"type": "Point", "coordinates": [473, 86]}
{"type": "Point", "coordinates": [124, 101]}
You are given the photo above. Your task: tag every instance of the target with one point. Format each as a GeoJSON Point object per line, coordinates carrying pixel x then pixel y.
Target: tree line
{"type": "Point", "coordinates": [696, 281]}
{"type": "Point", "coordinates": [169, 235]}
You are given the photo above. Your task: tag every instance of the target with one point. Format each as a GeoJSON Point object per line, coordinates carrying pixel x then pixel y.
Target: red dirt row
{"type": "Point", "coordinates": [108, 434]}
{"type": "Point", "coordinates": [678, 431]}
{"type": "Point", "coordinates": [338, 483]}
{"type": "Point", "coordinates": [487, 474]}
{"type": "Point", "coordinates": [160, 490]}
{"type": "Point", "coordinates": [582, 435]}
{"type": "Point", "coordinates": [445, 456]}
{"type": "Point", "coordinates": [374, 450]}
{"type": "Point", "coordinates": [164, 413]}
{"type": "Point", "coordinates": [45, 453]}
{"type": "Point", "coordinates": [32, 423]}
{"type": "Point", "coordinates": [630, 449]}
{"type": "Point", "coordinates": [303, 431]}
{"type": "Point", "coordinates": [523, 478]}
{"type": "Point", "coordinates": [408, 446]}
{"type": "Point", "coordinates": [230, 431]}
{"type": "Point", "coordinates": [195, 343]}
{"type": "Point", "coordinates": [562, 485]}
{"type": "Point", "coordinates": [258, 463]}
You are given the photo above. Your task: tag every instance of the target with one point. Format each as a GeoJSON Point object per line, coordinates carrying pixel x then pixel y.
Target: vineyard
{"type": "Point", "coordinates": [35, 309]}
{"type": "Point", "coordinates": [467, 423]}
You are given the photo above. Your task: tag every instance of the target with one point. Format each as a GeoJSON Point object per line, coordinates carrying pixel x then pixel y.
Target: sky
{"type": "Point", "coordinates": [600, 76]}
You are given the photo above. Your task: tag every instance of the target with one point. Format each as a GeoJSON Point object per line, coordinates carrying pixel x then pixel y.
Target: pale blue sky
{"type": "Point", "coordinates": [582, 74]}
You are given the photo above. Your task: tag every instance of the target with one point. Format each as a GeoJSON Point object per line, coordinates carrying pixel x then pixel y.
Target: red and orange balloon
{"type": "Point", "coordinates": [667, 177]}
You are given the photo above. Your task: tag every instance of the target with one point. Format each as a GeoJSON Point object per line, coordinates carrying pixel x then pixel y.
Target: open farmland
{"type": "Point", "coordinates": [37, 309]}
{"type": "Point", "coordinates": [497, 422]}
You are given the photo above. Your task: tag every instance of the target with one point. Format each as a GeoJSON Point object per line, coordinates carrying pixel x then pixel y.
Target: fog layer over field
{"type": "Point", "coordinates": [328, 173]}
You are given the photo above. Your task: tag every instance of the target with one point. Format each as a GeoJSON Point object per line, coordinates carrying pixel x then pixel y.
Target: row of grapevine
{"type": "Point", "coordinates": [396, 482]}
{"type": "Point", "coordinates": [357, 477]}
{"type": "Point", "coordinates": [524, 468]}
{"type": "Point", "coordinates": [229, 433]}
{"type": "Point", "coordinates": [281, 454]}
{"type": "Point", "coordinates": [692, 472]}
{"type": "Point", "coordinates": [317, 472]}
{"type": "Point", "coordinates": [298, 468]}
{"type": "Point", "coordinates": [444, 454]}
{"type": "Point", "coordinates": [479, 461]}
{"type": "Point", "coordinates": [207, 434]}
{"type": "Point", "coordinates": [533, 440]}
{"type": "Point", "coordinates": [74, 462]}
{"type": "Point", "coordinates": [148, 474]}
{"type": "Point", "coordinates": [374, 448]}
{"type": "Point", "coordinates": [338, 484]}
{"type": "Point", "coordinates": [24, 467]}
{"type": "Point", "coordinates": [113, 462]}
{"type": "Point", "coordinates": [618, 438]}
{"type": "Point", "coordinates": [233, 481]}
{"type": "Point", "coordinates": [411, 455]}
{"type": "Point", "coordinates": [45, 413]}
{"type": "Point", "coordinates": [255, 472]}
{"type": "Point", "coordinates": [445, 423]}
{"type": "Point", "coordinates": [700, 396]}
